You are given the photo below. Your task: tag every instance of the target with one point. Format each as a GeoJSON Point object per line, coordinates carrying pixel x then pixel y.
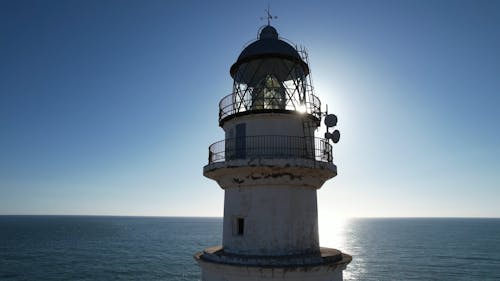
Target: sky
{"type": "Point", "coordinates": [109, 107]}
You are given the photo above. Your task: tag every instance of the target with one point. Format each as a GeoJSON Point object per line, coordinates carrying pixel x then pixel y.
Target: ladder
{"type": "Point", "coordinates": [308, 125]}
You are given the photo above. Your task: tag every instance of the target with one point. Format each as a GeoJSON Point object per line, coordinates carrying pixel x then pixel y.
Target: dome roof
{"type": "Point", "coordinates": [270, 46]}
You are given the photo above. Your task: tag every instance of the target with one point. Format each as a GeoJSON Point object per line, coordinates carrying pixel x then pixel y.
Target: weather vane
{"type": "Point", "coordinates": [269, 17]}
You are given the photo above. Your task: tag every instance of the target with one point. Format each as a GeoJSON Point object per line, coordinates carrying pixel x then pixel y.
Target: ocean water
{"type": "Point", "coordinates": [148, 248]}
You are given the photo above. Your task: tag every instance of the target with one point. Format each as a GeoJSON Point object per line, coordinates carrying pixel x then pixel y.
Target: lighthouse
{"type": "Point", "coordinates": [270, 165]}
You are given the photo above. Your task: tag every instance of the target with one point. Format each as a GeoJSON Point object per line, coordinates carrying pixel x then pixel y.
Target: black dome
{"type": "Point", "coordinates": [269, 46]}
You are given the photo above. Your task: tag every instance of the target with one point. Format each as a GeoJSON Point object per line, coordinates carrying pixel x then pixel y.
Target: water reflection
{"type": "Point", "coordinates": [416, 249]}
{"type": "Point", "coordinates": [342, 234]}
{"type": "Point", "coordinates": [332, 232]}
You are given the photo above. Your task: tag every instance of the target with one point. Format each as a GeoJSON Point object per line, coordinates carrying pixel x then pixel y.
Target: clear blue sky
{"type": "Point", "coordinates": [108, 107]}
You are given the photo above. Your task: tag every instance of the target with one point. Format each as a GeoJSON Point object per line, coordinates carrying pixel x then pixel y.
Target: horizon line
{"type": "Point", "coordinates": [221, 217]}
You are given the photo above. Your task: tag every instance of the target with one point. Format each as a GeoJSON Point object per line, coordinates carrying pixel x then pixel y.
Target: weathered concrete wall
{"type": "Point", "coordinates": [277, 220]}
{"type": "Point", "coordinates": [270, 172]}
{"type": "Point", "coordinates": [223, 272]}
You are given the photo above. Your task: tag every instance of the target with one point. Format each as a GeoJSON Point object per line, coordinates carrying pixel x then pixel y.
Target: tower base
{"type": "Point", "coordinates": [216, 265]}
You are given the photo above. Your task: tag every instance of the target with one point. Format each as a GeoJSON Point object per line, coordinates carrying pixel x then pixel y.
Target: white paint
{"type": "Point", "coordinates": [278, 221]}
{"type": "Point", "coordinates": [271, 124]}
{"type": "Point", "coordinates": [270, 172]}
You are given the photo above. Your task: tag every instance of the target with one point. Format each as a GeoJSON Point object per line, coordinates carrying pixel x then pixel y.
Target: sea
{"type": "Point", "coordinates": [162, 248]}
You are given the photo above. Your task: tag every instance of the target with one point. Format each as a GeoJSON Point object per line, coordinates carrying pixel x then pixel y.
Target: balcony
{"type": "Point", "coordinates": [271, 147]}
{"type": "Point", "coordinates": [260, 100]}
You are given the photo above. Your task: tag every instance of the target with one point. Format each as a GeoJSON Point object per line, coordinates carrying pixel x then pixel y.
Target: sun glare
{"type": "Point", "coordinates": [301, 108]}
{"type": "Point", "coordinates": [332, 232]}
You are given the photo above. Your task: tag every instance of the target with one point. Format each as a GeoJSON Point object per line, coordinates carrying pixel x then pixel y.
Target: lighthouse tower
{"type": "Point", "coordinates": [270, 165]}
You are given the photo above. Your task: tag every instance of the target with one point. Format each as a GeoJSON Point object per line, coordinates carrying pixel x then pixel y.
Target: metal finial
{"type": "Point", "coordinates": [269, 17]}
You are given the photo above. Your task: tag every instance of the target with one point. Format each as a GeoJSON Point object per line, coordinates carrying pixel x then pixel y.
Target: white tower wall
{"type": "Point", "coordinates": [269, 135]}
{"type": "Point", "coordinates": [278, 220]}
{"type": "Point", "coordinates": [272, 124]}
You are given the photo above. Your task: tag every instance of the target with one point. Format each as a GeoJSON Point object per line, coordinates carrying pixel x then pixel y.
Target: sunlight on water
{"type": "Point", "coordinates": [332, 232]}
{"type": "Point", "coordinates": [338, 233]}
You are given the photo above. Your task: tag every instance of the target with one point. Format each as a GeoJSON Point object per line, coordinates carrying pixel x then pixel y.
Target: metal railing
{"type": "Point", "coordinates": [270, 147]}
{"type": "Point", "coordinates": [249, 100]}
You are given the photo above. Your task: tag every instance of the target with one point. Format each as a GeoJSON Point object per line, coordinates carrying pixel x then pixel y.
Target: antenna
{"type": "Point", "coordinates": [331, 121]}
{"type": "Point", "coordinates": [269, 17]}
